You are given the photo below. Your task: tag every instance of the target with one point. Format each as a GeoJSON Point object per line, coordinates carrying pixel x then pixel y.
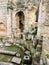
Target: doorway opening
{"type": "Point", "coordinates": [20, 16]}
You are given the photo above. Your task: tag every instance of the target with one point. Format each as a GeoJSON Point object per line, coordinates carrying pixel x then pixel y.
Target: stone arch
{"type": "Point", "coordinates": [20, 20]}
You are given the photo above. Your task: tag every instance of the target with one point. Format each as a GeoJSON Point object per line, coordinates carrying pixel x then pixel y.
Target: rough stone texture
{"type": "Point", "coordinates": [5, 63]}
{"type": "Point", "coordinates": [16, 60]}
{"type": "Point", "coordinates": [43, 22]}
{"type": "Point", "coordinates": [43, 26]}
{"type": "Point", "coordinates": [2, 20]}
{"type": "Point", "coordinates": [11, 20]}
{"type": "Point", "coordinates": [46, 44]}
{"type": "Point", "coordinates": [46, 30]}
{"type": "Point", "coordinates": [7, 52]}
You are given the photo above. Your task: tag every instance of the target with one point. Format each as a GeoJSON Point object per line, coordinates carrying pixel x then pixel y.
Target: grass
{"type": "Point", "coordinates": [5, 58]}
{"type": "Point", "coordinates": [13, 49]}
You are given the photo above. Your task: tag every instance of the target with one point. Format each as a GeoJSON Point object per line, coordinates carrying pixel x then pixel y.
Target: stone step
{"type": "Point", "coordinates": [5, 63]}
{"type": "Point", "coordinates": [7, 52]}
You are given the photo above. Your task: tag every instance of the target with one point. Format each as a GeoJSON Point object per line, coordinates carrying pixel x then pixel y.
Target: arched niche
{"type": "Point", "coordinates": [20, 20]}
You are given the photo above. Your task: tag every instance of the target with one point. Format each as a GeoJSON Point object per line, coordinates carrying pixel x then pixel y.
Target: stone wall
{"type": "Point", "coordinates": [43, 25]}
{"type": "Point", "coordinates": [46, 30]}
{"type": "Point", "coordinates": [3, 14]}
{"type": "Point", "coordinates": [10, 21]}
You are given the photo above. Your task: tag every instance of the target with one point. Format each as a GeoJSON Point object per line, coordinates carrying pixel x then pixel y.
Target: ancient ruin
{"type": "Point", "coordinates": [25, 24]}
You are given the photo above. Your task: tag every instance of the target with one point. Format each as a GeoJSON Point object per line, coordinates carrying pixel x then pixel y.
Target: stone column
{"type": "Point", "coordinates": [41, 19]}
{"type": "Point", "coordinates": [26, 20]}
{"type": "Point", "coordinates": [9, 32]}
{"type": "Point", "coordinates": [44, 30]}
{"type": "Point", "coordinates": [13, 23]}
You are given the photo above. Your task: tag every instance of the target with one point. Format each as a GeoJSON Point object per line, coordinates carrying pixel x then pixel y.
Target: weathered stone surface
{"type": "Point", "coordinates": [5, 63]}
{"type": "Point", "coordinates": [11, 23]}
{"type": "Point", "coordinates": [16, 60]}
{"type": "Point", "coordinates": [47, 61]}
{"type": "Point", "coordinates": [46, 44]}
{"type": "Point", "coordinates": [43, 27]}
{"type": "Point", "coordinates": [1, 45]}
{"type": "Point", "coordinates": [7, 44]}
{"type": "Point", "coordinates": [18, 54]}
{"type": "Point", "coordinates": [7, 52]}
{"type": "Point", "coordinates": [11, 18]}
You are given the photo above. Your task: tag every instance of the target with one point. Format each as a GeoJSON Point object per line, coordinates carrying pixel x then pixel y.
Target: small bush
{"type": "Point", "coordinates": [47, 55]}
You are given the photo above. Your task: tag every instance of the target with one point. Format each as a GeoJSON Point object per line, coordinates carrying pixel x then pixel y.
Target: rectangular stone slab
{"type": "Point", "coordinates": [16, 60]}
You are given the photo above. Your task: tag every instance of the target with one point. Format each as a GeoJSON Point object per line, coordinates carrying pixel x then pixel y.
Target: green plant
{"type": "Point", "coordinates": [47, 55]}
{"type": "Point", "coordinates": [44, 64]}
{"type": "Point", "coordinates": [10, 6]}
